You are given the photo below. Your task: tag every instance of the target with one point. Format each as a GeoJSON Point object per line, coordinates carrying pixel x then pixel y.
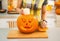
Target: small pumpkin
{"type": "Point", "coordinates": [57, 4]}
{"type": "Point", "coordinates": [10, 8]}
{"type": "Point", "coordinates": [40, 29]}
{"type": "Point", "coordinates": [27, 23]}
{"type": "Point", "coordinates": [57, 11]}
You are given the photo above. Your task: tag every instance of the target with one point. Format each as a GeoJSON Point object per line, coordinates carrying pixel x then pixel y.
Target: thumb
{"type": "Point", "coordinates": [22, 12]}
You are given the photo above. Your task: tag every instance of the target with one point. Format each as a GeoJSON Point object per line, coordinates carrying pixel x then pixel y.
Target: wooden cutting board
{"type": "Point", "coordinates": [15, 34]}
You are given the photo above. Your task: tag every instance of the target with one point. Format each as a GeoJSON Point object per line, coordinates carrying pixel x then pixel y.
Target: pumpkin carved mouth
{"type": "Point", "coordinates": [27, 27]}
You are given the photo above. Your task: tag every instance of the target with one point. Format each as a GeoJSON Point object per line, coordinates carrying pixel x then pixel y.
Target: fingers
{"type": "Point", "coordinates": [43, 24]}
{"type": "Point", "coordinates": [20, 11]}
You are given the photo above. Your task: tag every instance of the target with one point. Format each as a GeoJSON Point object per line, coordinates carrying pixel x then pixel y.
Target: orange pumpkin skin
{"type": "Point", "coordinates": [57, 11]}
{"type": "Point", "coordinates": [27, 23]}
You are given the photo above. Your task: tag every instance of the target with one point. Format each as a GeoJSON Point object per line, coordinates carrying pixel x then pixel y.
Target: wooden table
{"type": "Point", "coordinates": [15, 34]}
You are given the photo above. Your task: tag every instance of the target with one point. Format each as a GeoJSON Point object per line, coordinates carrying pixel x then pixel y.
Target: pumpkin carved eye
{"type": "Point", "coordinates": [30, 20]}
{"type": "Point", "coordinates": [23, 20]}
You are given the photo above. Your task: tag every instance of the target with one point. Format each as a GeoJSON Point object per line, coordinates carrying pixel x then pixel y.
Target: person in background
{"type": "Point", "coordinates": [43, 22]}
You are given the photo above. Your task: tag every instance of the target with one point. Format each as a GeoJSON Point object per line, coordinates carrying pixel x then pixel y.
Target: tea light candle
{"type": "Point", "coordinates": [26, 11]}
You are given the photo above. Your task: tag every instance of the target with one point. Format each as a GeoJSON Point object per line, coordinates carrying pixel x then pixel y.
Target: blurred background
{"type": "Point", "coordinates": [6, 17]}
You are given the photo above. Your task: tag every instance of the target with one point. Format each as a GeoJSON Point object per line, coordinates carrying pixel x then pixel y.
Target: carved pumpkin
{"type": "Point", "coordinates": [57, 11]}
{"type": "Point", "coordinates": [27, 23]}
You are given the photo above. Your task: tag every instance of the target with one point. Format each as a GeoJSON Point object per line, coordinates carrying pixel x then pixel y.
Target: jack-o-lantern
{"type": "Point", "coordinates": [27, 23]}
{"type": "Point", "coordinates": [57, 11]}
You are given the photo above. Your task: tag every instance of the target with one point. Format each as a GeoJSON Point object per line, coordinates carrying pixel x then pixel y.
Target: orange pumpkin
{"type": "Point", "coordinates": [42, 29]}
{"type": "Point", "coordinates": [57, 4]}
{"type": "Point", "coordinates": [57, 11]}
{"type": "Point", "coordinates": [10, 8]}
{"type": "Point", "coordinates": [27, 23]}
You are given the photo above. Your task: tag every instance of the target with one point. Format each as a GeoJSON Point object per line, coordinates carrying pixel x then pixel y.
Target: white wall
{"type": "Point", "coordinates": [4, 22]}
{"type": "Point", "coordinates": [4, 4]}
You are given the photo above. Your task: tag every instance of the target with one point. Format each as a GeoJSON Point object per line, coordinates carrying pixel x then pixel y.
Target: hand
{"type": "Point", "coordinates": [43, 24]}
{"type": "Point", "coordinates": [20, 11]}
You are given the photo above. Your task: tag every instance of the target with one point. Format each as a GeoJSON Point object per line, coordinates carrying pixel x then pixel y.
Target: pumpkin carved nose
{"type": "Point", "coordinates": [26, 23]}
